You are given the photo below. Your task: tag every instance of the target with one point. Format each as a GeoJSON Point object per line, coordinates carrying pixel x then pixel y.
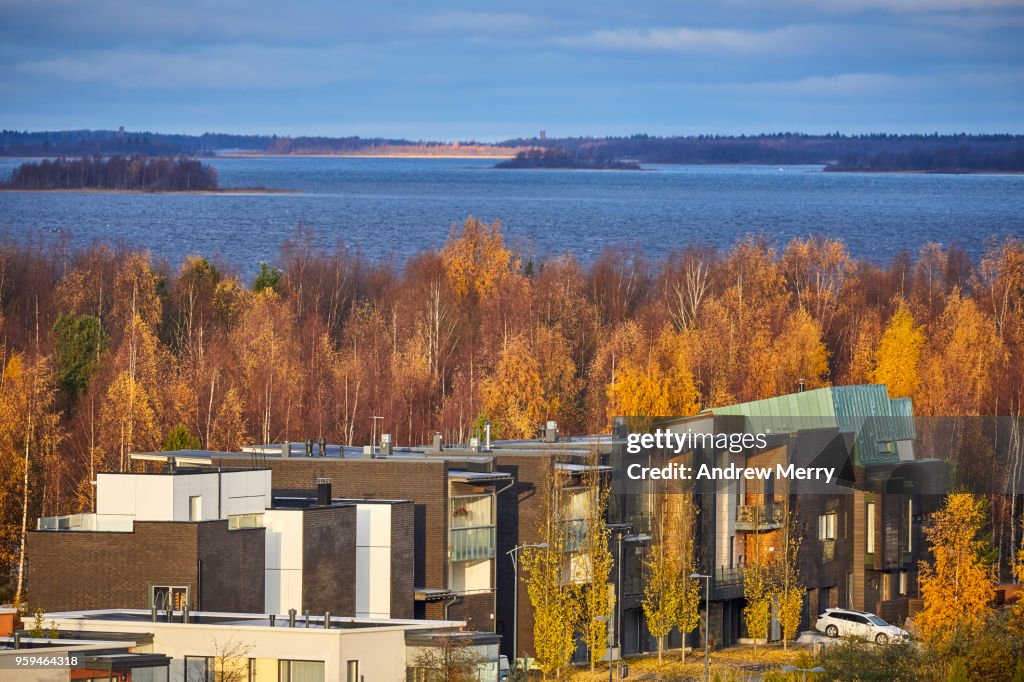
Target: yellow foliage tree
{"type": "Point", "coordinates": [476, 259]}
{"type": "Point", "coordinates": [899, 354]}
{"type": "Point", "coordinates": [800, 353]}
{"type": "Point", "coordinates": [514, 397]}
{"type": "Point", "coordinates": [596, 596]}
{"type": "Point", "coordinates": [29, 433]}
{"type": "Point", "coordinates": [963, 355]}
{"type": "Point", "coordinates": [957, 587]}
{"type": "Point", "coordinates": [788, 590]}
{"type": "Point", "coordinates": [555, 599]}
{"type": "Point", "coordinates": [661, 384]}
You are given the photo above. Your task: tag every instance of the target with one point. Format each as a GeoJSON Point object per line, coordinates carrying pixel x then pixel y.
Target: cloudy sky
{"type": "Point", "coordinates": [490, 70]}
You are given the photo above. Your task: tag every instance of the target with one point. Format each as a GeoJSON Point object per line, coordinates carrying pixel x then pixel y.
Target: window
{"type": "Point", "coordinates": [886, 586]}
{"type": "Point", "coordinates": [827, 526]}
{"type": "Point", "coordinates": [352, 671]}
{"type": "Point", "coordinates": [301, 671]}
{"type": "Point", "coordinates": [174, 597]}
{"type": "Point", "coordinates": [871, 528]}
{"type": "Point", "coordinates": [263, 670]}
{"type": "Point", "coordinates": [910, 524]}
{"type": "Point", "coordinates": [195, 508]}
{"type": "Point", "coordinates": [903, 582]}
{"type": "Point", "coordinates": [199, 669]}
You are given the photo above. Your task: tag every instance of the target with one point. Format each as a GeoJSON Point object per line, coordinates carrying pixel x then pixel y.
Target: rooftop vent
{"type": "Point", "coordinates": [551, 432]}
{"type": "Point", "coordinates": [438, 445]}
{"type": "Point", "coordinates": [386, 446]}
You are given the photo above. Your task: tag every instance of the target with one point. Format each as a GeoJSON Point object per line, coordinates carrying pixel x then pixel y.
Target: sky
{"type": "Point", "coordinates": [489, 71]}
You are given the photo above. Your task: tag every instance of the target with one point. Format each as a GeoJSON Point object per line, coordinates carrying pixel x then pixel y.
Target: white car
{"type": "Point", "coordinates": [849, 623]}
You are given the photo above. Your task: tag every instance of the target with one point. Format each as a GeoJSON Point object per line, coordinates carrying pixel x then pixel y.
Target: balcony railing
{"type": "Point", "coordinates": [471, 544]}
{"type": "Point", "coordinates": [575, 534]}
{"type": "Point", "coordinates": [758, 517]}
{"type": "Point", "coordinates": [728, 576]}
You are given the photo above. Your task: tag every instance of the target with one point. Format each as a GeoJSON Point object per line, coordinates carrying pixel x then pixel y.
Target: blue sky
{"type": "Point", "coordinates": [490, 70]}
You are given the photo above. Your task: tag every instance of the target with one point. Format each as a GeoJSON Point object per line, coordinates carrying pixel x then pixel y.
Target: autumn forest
{"type": "Point", "coordinates": [108, 350]}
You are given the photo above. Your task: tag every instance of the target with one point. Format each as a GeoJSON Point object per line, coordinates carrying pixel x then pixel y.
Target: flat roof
{"type": "Point", "coordinates": [144, 617]}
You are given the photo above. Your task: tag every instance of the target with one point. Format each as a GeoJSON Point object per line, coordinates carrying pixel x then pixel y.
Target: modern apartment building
{"type": "Point", "coordinates": [211, 538]}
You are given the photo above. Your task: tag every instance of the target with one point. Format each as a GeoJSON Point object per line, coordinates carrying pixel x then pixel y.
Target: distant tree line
{"type": "Point", "coordinates": [840, 152]}
{"type": "Point", "coordinates": [559, 157]}
{"type": "Point", "coordinates": [961, 159]}
{"type": "Point", "coordinates": [136, 173]}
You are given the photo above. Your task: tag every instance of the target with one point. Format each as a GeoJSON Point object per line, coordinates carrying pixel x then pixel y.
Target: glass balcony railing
{"type": "Point", "coordinates": [471, 544]}
{"type": "Point", "coordinates": [575, 534]}
{"type": "Point", "coordinates": [759, 517]}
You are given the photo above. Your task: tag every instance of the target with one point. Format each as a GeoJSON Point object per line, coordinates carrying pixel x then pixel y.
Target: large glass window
{"type": "Point", "coordinates": [199, 669]}
{"type": "Point", "coordinates": [174, 597]}
{"type": "Point", "coordinates": [301, 671]}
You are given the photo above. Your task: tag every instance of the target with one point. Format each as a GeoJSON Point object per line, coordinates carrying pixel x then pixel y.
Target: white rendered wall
{"type": "Point", "coordinates": [165, 497]}
{"type": "Point", "coordinates": [283, 560]}
{"type": "Point", "coordinates": [373, 560]}
{"type": "Point", "coordinates": [381, 652]}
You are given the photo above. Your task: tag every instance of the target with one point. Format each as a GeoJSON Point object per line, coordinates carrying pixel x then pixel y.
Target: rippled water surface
{"type": "Point", "coordinates": [394, 207]}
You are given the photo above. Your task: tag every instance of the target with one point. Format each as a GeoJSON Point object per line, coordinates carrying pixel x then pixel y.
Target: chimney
{"type": "Point", "coordinates": [286, 449]}
{"type": "Point", "coordinates": [551, 432]}
{"type": "Point", "coordinates": [184, 613]}
{"type": "Point", "coordinates": [367, 452]}
{"type": "Point", "coordinates": [474, 445]}
{"type": "Point", "coordinates": [152, 612]}
{"type": "Point", "coordinates": [273, 620]}
{"type": "Point", "coordinates": [487, 430]}
{"type": "Point", "coordinates": [386, 446]}
{"type": "Point", "coordinates": [17, 640]}
{"type": "Point", "coordinates": [309, 447]}
{"type": "Point", "coordinates": [291, 618]}
{"type": "Point", "coordinates": [323, 492]}
{"type": "Point", "coordinates": [307, 618]}
{"type": "Point", "coordinates": [438, 445]}
{"type": "Point", "coordinates": [323, 446]}
{"type": "Point", "coordinates": [327, 620]}
{"type": "Point", "coordinates": [803, 383]}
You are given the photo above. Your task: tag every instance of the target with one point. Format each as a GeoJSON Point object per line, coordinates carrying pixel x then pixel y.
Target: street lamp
{"type": "Point", "coordinates": [623, 537]}
{"type": "Point", "coordinates": [804, 671]}
{"type": "Point", "coordinates": [514, 554]}
{"type": "Point", "coordinates": [707, 623]}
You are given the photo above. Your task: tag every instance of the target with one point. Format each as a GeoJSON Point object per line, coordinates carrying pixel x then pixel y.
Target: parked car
{"type": "Point", "coordinates": [849, 623]}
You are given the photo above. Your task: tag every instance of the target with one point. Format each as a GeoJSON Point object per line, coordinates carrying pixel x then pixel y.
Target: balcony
{"type": "Point", "coordinates": [109, 523]}
{"type": "Point", "coordinates": [728, 576]}
{"type": "Point", "coordinates": [759, 517]}
{"type": "Point", "coordinates": [471, 544]}
{"type": "Point", "coordinates": [575, 534]}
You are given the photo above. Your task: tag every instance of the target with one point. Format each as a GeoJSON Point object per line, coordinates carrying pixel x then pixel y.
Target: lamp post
{"type": "Point", "coordinates": [640, 537]}
{"type": "Point", "coordinates": [707, 623]}
{"type": "Point", "coordinates": [514, 555]}
{"type": "Point", "coordinates": [804, 671]}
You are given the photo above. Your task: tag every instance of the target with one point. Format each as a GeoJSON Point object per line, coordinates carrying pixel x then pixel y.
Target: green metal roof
{"type": "Point", "coordinates": [867, 410]}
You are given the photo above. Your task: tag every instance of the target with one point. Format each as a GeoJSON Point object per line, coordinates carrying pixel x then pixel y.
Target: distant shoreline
{"type": "Point", "coordinates": [101, 190]}
{"type": "Point", "coordinates": [355, 155]}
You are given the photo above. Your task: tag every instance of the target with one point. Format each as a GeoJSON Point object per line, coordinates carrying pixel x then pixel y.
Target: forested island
{"type": "Point", "coordinates": [116, 173]}
{"type": "Point", "coordinates": [959, 153]}
{"type": "Point", "coordinates": [560, 157]}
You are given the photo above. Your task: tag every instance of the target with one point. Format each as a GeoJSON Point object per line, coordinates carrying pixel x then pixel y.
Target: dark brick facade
{"type": "Point", "coordinates": [329, 560]}
{"type": "Point", "coordinates": [402, 559]}
{"type": "Point", "coordinates": [424, 481]}
{"type": "Point", "coordinates": [72, 570]}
